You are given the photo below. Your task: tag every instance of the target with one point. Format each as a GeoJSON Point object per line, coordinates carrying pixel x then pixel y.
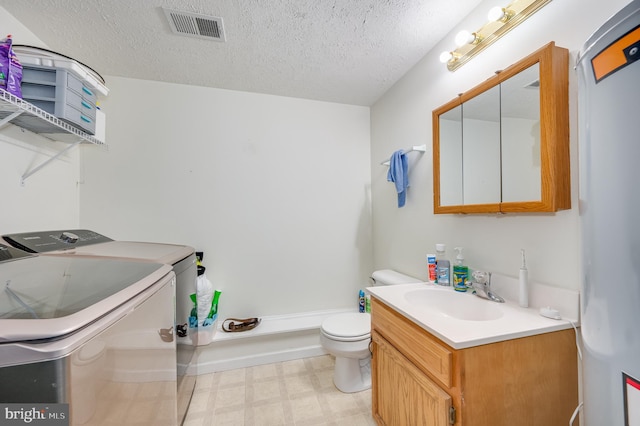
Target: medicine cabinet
{"type": "Point", "coordinates": [503, 146]}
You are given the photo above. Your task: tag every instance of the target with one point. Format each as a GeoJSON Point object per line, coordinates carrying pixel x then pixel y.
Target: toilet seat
{"type": "Point", "coordinates": [349, 327]}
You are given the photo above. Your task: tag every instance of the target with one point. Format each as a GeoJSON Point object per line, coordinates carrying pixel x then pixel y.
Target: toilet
{"type": "Point", "coordinates": [348, 336]}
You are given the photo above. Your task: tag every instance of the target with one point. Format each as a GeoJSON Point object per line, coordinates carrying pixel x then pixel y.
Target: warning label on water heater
{"type": "Point", "coordinates": [622, 52]}
{"type": "Point", "coordinates": [631, 389]}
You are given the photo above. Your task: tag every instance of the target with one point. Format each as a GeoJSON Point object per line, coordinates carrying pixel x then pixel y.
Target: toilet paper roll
{"type": "Point", "coordinates": [391, 277]}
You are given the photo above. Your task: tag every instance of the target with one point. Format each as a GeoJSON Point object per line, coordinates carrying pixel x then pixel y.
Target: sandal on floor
{"type": "Point", "coordinates": [231, 325]}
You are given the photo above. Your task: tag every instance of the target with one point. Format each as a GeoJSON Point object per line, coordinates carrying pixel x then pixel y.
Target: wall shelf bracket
{"type": "Point", "coordinates": [41, 166]}
{"type": "Point", "coordinates": [8, 119]}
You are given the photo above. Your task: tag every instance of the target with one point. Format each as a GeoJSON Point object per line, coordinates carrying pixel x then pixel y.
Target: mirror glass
{"type": "Point", "coordinates": [481, 148]}
{"type": "Point", "coordinates": [502, 122]}
{"type": "Point", "coordinates": [450, 155]}
{"type": "Point", "coordinates": [520, 123]}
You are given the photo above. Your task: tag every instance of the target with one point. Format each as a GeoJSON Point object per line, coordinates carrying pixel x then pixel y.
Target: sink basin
{"type": "Point", "coordinates": [461, 306]}
{"type": "Point", "coordinates": [463, 320]}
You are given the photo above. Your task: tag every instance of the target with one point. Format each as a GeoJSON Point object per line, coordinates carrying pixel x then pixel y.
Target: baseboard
{"type": "Point", "coordinates": [254, 360]}
{"type": "Point", "coordinates": [277, 338]}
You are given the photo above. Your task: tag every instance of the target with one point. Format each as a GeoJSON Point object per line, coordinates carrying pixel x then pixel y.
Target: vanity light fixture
{"type": "Point", "coordinates": [500, 21]}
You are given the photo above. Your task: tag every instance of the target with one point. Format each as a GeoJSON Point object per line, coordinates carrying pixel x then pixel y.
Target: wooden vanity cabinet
{"type": "Point", "coordinates": [419, 380]}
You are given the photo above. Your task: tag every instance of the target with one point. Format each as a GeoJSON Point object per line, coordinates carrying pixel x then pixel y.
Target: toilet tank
{"type": "Point", "coordinates": [391, 277]}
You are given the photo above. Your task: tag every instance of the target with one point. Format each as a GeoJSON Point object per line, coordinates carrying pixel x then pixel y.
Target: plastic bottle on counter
{"type": "Point", "coordinates": [443, 266]}
{"type": "Point", "coordinates": [460, 272]}
{"type": "Point", "coordinates": [431, 264]}
{"type": "Point", "coordinates": [362, 301]}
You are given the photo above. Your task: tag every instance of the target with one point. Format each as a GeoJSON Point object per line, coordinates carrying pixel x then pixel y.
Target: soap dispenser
{"type": "Point", "coordinates": [460, 272]}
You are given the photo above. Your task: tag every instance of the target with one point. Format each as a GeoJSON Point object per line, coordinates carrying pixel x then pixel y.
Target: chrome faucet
{"type": "Point", "coordinates": [481, 284]}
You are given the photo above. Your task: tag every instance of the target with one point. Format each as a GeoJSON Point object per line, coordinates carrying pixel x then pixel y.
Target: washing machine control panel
{"type": "Point", "coordinates": [46, 241]}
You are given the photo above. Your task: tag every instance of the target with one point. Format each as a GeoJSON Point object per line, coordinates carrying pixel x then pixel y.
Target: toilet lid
{"type": "Point", "coordinates": [347, 325]}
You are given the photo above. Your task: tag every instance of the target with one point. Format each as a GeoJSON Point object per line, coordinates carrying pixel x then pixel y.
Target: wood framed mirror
{"type": "Point", "coordinates": [503, 146]}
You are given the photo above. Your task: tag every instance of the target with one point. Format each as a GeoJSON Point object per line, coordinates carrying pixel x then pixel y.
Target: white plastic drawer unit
{"type": "Point", "coordinates": [60, 93]}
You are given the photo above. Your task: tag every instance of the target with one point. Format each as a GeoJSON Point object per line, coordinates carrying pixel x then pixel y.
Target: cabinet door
{"type": "Point", "coordinates": [402, 394]}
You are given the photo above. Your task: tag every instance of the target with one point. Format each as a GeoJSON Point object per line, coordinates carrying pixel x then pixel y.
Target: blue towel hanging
{"type": "Point", "coordinates": [398, 173]}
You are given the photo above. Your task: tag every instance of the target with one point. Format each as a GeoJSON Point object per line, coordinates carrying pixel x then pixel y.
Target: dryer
{"type": "Point", "coordinates": [69, 335]}
{"type": "Point", "coordinates": [87, 243]}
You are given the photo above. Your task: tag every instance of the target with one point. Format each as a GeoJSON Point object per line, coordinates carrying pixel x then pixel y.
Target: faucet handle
{"type": "Point", "coordinates": [482, 277]}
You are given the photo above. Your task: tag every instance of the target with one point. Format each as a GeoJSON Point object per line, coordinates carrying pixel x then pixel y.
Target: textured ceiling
{"type": "Point", "coordinates": [345, 51]}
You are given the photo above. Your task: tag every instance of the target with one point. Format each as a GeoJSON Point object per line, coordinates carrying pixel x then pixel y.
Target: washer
{"type": "Point", "coordinates": [87, 243]}
{"type": "Point", "coordinates": [69, 329]}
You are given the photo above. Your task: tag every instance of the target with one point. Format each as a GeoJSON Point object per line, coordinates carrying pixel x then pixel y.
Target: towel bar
{"type": "Point", "coordinates": [421, 148]}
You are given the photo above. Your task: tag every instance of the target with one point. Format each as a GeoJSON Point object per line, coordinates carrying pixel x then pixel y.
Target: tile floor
{"type": "Point", "coordinates": [291, 393]}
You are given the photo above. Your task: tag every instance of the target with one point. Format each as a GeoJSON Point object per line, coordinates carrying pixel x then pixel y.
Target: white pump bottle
{"type": "Point", "coordinates": [523, 283]}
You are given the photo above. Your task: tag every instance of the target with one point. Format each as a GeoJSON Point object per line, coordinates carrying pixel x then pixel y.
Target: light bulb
{"type": "Point", "coordinates": [445, 57]}
{"type": "Point", "coordinates": [495, 14]}
{"type": "Point", "coordinates": [499, 14]}
{"type": "Point", "coordinates": [464, 37]}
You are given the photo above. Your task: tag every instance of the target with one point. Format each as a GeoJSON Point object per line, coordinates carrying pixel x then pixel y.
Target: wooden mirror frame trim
{"type": "Point", "coordinates": [554, 135]}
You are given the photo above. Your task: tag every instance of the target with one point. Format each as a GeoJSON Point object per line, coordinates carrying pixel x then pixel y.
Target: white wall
{"type": "Point", "coordinates": [274, 190]}
{"type": "Point", "coordinates": [402, 117]}
{"type": "Point", "coordinates": [49, 198]}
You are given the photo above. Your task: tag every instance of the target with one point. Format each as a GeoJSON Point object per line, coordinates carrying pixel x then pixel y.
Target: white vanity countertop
{"type": "Point", "coordinates": [513, 322]}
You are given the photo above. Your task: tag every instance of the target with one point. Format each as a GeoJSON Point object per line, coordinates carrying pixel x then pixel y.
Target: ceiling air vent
{"type": "Point", "coordinates": [195, 25]}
